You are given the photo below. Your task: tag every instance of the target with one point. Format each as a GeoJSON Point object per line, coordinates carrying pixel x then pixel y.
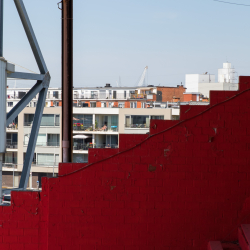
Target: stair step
{"type": "Point", "coordinates": [217, 245]}
{"type": "Point", "coordinates": [214, 245]}
{"type": "Point", "coordinates": [231, 246]}
{"type": "Point", "coordinates": [244, 236]}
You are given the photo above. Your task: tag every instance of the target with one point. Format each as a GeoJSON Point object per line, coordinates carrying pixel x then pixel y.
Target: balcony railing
{"type": "Point", "coordinates": [12, 127]}
{"type": "Point", "coordinates": [45, 164]}
{"type": "Point", "coordinates": [28, 124]}
{"type": "Point", "coordinates": [57, 97]}
{"type": "Point", "coordinates": [44, 144]}
{"type": "Point", "coordinates": [10, 165]}
{"type": "Point", "coordinates": [136, 126]}
{"type": "Point", "coordinates": [11, 145]}
{"type": "Point", "coordinates": [82, 127]}
{"type": "Point", "coordinates": [80, 146]}
{"type": "Point", "coordinates": [84, 146]}
{"type": "Point", "coordinates": [113, 128]}
{"type": "Point", "coordinates": [137, 96]}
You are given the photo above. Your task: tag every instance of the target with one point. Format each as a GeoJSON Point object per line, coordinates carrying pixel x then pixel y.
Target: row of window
{"type": "Point", "coordinates": [47, 120]}
{"type": "Point", "coordinates": [50, 140]}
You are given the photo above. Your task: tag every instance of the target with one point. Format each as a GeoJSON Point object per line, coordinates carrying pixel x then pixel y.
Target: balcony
{"type": "Point", "coordinates": [12, 145]}
{"type": "Point", "coordinates": [80, 146]}
{"type": "Point", "coordinates": [44, 144]}
{"type": "Point", "coordinates": [86, 146]}
{"type": "Point", "coordinates": [82, 127]}
{"type": "Point", "coordinates": [10, 165]}
{"type": "Point", "coordinates": [12, 126]}
{"type": "Point", "coordinates": [78, 96]}
{"type": "Point", "coordinates": [137, 96]}
{"type": "Point", "coordinates": [107, 129]}
{"type": "Point", "coordinates": [136, 125]}
{"type": "Point", "coordinates": [54, 97]}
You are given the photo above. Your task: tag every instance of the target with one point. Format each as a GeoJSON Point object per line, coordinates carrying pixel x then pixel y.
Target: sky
{"type": "Point", "coordinates": [116, 39]}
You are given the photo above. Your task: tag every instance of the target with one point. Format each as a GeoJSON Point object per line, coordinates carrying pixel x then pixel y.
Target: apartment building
{"type": "Point", "coordinates": [94, 126]}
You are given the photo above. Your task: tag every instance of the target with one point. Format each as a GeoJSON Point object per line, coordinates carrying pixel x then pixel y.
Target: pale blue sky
{"type": "Point", "coordinates": [115, 38]}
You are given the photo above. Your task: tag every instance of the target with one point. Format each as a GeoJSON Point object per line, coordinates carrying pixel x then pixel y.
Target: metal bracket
{"type": "Point", "coordinates": [41, 87]}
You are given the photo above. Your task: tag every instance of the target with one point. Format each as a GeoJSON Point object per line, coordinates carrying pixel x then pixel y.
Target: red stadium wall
{"type": "Point", "coordinates": [183, 185]}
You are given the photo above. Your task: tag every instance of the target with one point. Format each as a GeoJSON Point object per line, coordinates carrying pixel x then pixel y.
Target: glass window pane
{"type": "Point", "coordinates": [57, 121]}
{"type": "Point", "coordinates": [47, 120]}
{"type": "Point", "coordinates": [45, 159]}
{"type": "Point", "coordinates": [41, 140]}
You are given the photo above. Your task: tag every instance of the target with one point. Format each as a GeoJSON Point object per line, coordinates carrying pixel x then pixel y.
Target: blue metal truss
{"type": "Point", "coordinates": [41, 88]}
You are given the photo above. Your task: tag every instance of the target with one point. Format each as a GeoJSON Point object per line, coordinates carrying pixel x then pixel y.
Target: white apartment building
{"type": "Point", "coordinates": [93, 127]}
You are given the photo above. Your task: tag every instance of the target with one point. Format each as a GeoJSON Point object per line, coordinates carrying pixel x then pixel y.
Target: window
{"type": "Point", "coordinates": [94, 94]}
{"type": "Point", "coordinates": [114, 121]}
{"type": "Point", "coordinates": [102, 94]}
{"type": "Point", "coordinates": [133, 105]}
{"type": "Point", "coordinates": [82, 121]}
{"type": "Point", "coordinates": [45, 159]}
{"type": "Point", "coordinates": [10, 157]}
{"type": "Point", "coordinates": [143, 105]}
{"type": "Point", "coordinates": [175, 117]}
{"type": "Point", "coordinates": [10, 104]}
{"type": "Point", "coordinates": [28, 119]}
{"type": "Point", "coordinates": [41, 140]}
{"type": "Point", "coordinates": [137, 121]}
{"type": "Point", "coordinates": [57, 120]}
{"type": "Point", "coordinates": [53, 140]}
{"type": "Point", "coordinates": [127, 121]}
{"type": "Point", "coordinates": [93, 104]}
{"type": "Point", "coordinates": [56, 159]}
{"type": "Point", "coordinates": [121, 105]}
{"type": "Point", "coordinates": [55, 94]}
{"type": "Point", "coordinates": [80, 158]}
{"type": "Point", "coordinates": [125, 94]}
{"type": "Point", "coordinates": [47, 120]}
{"type": "Point", "coordinates": [103, 105]}
{"type": "Point", "coordinates": [157, 117]}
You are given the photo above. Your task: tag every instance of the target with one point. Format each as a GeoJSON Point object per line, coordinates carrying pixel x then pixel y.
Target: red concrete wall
{"type": "Point", "coordinates": [183, 185]}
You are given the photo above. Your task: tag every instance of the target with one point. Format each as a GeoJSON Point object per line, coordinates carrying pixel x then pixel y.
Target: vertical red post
{"type": "Point", "coordinates": [67, 79]}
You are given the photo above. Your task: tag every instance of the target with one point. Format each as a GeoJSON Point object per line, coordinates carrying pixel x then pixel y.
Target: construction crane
{"type": "Point", "coordinates": [142, 79]}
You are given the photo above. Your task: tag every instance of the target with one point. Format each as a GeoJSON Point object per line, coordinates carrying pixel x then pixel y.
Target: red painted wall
{"type": "Point", "coordinates": [182, 186]}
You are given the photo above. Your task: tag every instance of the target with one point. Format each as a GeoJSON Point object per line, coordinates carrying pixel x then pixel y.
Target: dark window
{"type": "Point", "coordinates": [55, 94]}
{"type": "Point", "coordinates": [21, 94]}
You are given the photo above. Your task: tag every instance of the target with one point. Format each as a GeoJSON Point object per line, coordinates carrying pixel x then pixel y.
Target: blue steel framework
{"type": "Point", "coordinates": [41, 87]}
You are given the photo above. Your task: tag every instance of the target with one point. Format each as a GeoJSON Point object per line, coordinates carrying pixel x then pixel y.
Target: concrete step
{"type": "Point", "coordinates": [231, 246]}
{"type": "Point", "coordinates": [214, 245]}
{"type": "Point", "coordinates": [244, 236]}
{"type": "Point", "coordinates": [217, 245]}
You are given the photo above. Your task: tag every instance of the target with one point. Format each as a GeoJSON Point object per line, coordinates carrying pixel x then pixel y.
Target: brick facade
{"type": "Point", "coordinates": [172, 93]}
{"type": "Point", "coordinates": [185, 184]}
